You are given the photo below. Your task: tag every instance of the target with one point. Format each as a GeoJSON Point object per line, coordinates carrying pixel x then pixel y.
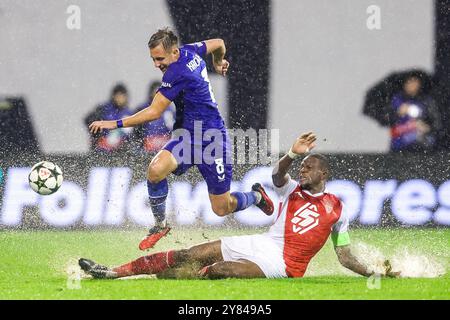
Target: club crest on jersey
{"type": "Point", "coordinates": [328, 206]}
{"type": "Point", "coordinates": [305, 218]}
{"type": "Point", "coordinates": [299, 194]}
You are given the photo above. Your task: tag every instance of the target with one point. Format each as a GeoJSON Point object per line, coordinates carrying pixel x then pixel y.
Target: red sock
{"type": "Point", "coordinates": [151, 264]}
{"type": "Point", "coordinates": [204, 271]}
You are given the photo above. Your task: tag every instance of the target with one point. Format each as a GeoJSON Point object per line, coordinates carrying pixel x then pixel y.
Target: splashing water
{"type": "Point", "coordinates": [73, 271]}
{"type": "Point", "coordinates": [369, 256]}
{"type": "Point", "coordinates": [414, 265]}
{"type": "Point", "coordinates": [411, 265]}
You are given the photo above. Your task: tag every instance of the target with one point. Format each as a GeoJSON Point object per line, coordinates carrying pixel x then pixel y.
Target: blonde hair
{"type": "Point", "coordinates": [166, 37]}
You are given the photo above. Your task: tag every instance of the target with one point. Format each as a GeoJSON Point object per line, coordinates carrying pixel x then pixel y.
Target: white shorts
{"type": "Point", "coordinates": [256, 248]}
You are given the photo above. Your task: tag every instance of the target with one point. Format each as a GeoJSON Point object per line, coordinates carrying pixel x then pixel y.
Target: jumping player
{"type": "Point", "coordinates": [185, 82]}
{"type": "Point", "coordinates": [307, 215]}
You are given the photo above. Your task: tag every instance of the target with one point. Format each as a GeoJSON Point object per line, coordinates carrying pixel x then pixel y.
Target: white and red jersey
{"type": "Point", "coordinates": [304, 222]}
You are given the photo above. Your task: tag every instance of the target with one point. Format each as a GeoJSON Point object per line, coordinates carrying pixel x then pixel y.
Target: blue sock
{"type": "Point", "coordinates": [244, 199]}
{"type": "Point", "coordinates": [157, 192]}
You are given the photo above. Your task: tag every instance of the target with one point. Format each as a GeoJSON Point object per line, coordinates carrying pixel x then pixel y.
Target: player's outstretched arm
{"type": "Point", "coordinates": [301, 146]}
{"type": "Point", "coordinates": [348, 260]}
{"type": "Point", "coordinates": [217, 48]}
{"type": "Point", "coordinates": [152, 112]}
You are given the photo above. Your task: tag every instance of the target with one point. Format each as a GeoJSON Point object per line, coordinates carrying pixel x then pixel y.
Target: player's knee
{"type": "Point", "coordinates": [154, 173]}
{"type": "Point", "coordinates": [220, 210]}
{"type": "Point", "coordinates": [222, 207]}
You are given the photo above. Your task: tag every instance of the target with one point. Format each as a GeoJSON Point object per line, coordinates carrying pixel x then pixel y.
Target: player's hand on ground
{"type": "Point", "coordinates": [98, 126]}
{"type": "Point", "coordinates": [222, 67]}
{"type": "Point", "coordinates": [304, 143]}
{"type": "Point", "coordinates": [389, 273]}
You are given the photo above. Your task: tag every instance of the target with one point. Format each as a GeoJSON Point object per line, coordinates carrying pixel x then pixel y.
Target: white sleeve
{"type": "Point", "coordinates": [341, 226]}
{"type": "Point", "coordinates": [339, 234]}
{"type": "Point", "coordinates": [286, 189]}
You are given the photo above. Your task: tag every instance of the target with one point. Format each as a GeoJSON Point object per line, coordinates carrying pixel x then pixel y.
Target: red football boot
{"type": "Point", "coordinates": [154, 235]}
{"type": "Point", "coordinates": [266, 205]}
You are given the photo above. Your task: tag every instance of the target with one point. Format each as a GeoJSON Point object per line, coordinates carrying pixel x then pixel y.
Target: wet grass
{"type": "Point", "coordinates": [35, 265]}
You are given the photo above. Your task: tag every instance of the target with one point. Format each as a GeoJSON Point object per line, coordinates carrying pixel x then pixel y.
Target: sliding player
{"type": "Point", "coordinates": [307, 216]}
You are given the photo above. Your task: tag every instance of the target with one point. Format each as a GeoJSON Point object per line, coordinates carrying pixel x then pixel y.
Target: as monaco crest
{"type": "Point", "coordinates": [305, 218]}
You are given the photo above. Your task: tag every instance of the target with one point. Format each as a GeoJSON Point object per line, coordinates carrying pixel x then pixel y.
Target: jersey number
{"type": "Point", "coordinates": [205, 77]}
{"type": "Point", "coordinates": [220, 168]}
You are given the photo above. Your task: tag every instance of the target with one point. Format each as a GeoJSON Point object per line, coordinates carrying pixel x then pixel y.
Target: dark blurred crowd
{"type": "Point", "coordinates": [405, 102]}
{"type": "Point", "coordinates": [147, 138]}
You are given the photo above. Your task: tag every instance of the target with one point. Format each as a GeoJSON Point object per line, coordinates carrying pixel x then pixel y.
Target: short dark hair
{"type": "Point", "coordinates": [119, 88]}
{"type": "Point", "coordinates": [164, 36]}
{"type": "Point", "coordinates": [323, 162]}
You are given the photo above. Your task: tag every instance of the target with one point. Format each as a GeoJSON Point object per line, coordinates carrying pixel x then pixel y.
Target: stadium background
{"type": "Point", "coordinates": [296, 64]}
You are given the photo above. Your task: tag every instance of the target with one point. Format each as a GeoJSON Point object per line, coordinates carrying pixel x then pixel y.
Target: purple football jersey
{"type": "Point", "coordinates": [186, 83]}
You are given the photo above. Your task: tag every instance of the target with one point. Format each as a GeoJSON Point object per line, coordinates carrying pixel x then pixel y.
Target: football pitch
{"type": "Point", "coordinates": [43, 265]}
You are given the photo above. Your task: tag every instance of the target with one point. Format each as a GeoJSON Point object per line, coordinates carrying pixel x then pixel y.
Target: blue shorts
{"type": "Point", "coordinates": [212, 158]}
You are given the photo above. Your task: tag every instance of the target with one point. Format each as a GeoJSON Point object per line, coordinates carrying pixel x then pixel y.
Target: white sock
{"type": "Point", "coordinates": [258, 197]}
{"type": "Point", "coordinates": [162, 223]}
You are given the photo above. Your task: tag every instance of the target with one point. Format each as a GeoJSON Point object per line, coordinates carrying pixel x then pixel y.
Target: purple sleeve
{"type": "Point", "coordinates": [172, 84]}
{"type": "Point", "coordinates": [197, 47]}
